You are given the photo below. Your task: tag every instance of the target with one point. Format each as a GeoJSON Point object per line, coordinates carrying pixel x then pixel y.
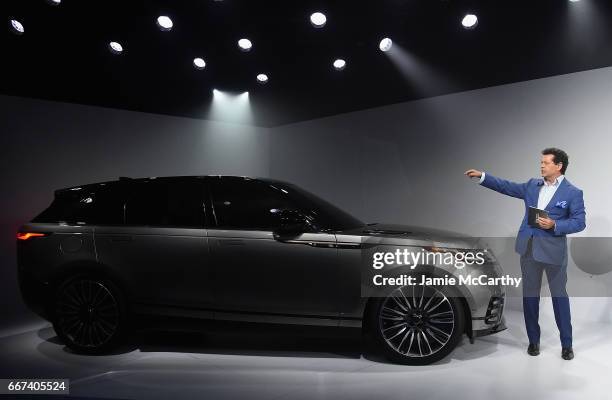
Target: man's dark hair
{"type": "Point", "coordinates": [559, 156]}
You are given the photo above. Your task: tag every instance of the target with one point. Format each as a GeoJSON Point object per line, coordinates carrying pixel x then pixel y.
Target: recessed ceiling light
{"type": "Point", "coordinates": [262, 78]}
{"type": "Point", "coordinates": [115, 47]}
{"type": "Point", "coordinates": [339, 64]}
{"type": "Point", "coordinates": [16, 27]}
{"type": "Point", "coordinates": [469, 21]}
{"type": "Point", "coordinates": [318, 19]}
{"type": "Point", "coordinates": [54, 2]}
{"type": "Point", "coordinates": [199, 63]}
{"type": "Point", "coordinates": [574, 1]}
{"type": "Point", "coordinates": [164, 23]}
{"type": "Point", "coordinates": [385, 44]}
{"type": "Point", "coordinates": [245, 44]}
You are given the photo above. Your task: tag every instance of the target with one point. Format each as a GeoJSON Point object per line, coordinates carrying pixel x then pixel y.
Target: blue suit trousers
{"type": "Point", "coordinates": [532, 281]}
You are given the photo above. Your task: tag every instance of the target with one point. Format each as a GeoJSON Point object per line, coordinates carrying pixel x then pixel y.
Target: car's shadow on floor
{"type": "Point", "coordinates": [282, 342]}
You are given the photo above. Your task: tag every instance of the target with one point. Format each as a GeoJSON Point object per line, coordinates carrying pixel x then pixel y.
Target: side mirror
{"type": "Point", "coordinates": [292, 222]}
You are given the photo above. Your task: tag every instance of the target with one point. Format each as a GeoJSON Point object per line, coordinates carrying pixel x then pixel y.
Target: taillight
{"type": "Point", "coordinates": [29, 235]}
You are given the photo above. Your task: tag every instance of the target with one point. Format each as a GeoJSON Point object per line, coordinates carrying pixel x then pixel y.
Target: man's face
{"type": "Point", "coordinates": [548, 167]}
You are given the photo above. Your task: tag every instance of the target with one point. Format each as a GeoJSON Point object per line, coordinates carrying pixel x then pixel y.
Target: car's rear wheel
{"type": "Point", "coordinates": [89, 314]}
{"type": "Point", "coordinates": [416, 324]}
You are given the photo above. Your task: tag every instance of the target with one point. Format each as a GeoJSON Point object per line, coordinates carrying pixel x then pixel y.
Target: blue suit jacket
{"type": "Point", "coordinates": [566, 207]}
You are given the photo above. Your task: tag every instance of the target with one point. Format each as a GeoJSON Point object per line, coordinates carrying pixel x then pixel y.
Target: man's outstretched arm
{"type": "Point", "coordinates": [499, 185]}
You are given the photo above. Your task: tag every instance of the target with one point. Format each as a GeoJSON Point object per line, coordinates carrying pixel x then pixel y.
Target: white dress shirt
{"type": "Point", "coordinates": [547, 191]}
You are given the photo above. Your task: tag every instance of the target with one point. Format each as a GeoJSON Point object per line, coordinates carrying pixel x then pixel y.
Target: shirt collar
{"type": "Point", "coordinates": [556, 182]}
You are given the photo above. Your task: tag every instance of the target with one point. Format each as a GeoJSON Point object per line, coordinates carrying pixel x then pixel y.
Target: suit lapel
{"type": "Point", "coordinates": [560, 192]}
{"type": "Point", "coordinates": [535, 192]}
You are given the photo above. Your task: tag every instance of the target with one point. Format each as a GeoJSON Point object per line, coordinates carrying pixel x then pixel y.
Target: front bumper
{"type": "Point", "coordinates": [493, 321]}
{"type": "Point", "coordinates": [501, 326]}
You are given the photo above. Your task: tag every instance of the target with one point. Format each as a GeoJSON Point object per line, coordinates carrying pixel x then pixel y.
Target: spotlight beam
{"type": "Point", "coordinates": [416, 72]}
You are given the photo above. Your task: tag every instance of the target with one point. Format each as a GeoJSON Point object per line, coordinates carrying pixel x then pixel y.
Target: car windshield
{"type": "Point", "coordinates": [326, 215]}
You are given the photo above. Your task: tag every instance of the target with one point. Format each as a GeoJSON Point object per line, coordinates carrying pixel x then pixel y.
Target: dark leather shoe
{"type": "Point", "coordinates": [567, 353]}
{"type": "Point", "coordinates": [533, 349]}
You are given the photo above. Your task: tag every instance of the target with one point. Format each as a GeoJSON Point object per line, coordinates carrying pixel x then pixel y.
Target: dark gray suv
{"type": "Point", "coordinates": [235, 249]}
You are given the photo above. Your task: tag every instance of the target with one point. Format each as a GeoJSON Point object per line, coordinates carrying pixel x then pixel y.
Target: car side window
{"type": "Point", "coordinates": [248, 204]}
{"type": "Point", "coordinates": [165, 202]}
{"type": "Point", "coordinates": [100, 205]}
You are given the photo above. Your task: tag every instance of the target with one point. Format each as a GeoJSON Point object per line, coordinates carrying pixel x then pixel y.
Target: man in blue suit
{"type": "Point", "coordinates": [543, 248]}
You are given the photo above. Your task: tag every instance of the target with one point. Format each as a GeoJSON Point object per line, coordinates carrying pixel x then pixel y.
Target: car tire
{"type": "Point", "coordinates": [415, 327]}
{"type": "Point", "coordinates": [89, 314]}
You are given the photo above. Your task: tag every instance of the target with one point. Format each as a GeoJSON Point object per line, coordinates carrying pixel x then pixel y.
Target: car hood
{"type": "Point", "coordinates": [396, 232]}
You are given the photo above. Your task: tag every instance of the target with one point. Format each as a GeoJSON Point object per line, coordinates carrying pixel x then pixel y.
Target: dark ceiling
{"type": "Point", "coordinates": [63, 53]}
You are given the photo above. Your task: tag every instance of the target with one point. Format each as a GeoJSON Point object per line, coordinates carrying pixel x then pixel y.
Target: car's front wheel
{"type": "Point", "coordinates": [416, 324]}
{"type": "Point", "coordinates": [89, 314]}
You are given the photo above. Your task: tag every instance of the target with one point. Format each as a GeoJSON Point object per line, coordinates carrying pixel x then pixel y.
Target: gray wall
{"type": "Point", "coordinates": [401, 163]}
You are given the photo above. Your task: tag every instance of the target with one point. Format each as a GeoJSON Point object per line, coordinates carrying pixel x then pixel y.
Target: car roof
{"type": "Point", "coordinates": [124, 179]}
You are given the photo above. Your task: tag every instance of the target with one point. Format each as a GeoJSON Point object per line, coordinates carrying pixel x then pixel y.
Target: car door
{"type": "Point", "coordinates": [162, 249]}
{"type": "Point", "coordinates": [259, 274]}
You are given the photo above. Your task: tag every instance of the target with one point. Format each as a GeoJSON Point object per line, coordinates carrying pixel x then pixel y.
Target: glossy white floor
{"type": "Point", "coordinates": [495, 367]}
